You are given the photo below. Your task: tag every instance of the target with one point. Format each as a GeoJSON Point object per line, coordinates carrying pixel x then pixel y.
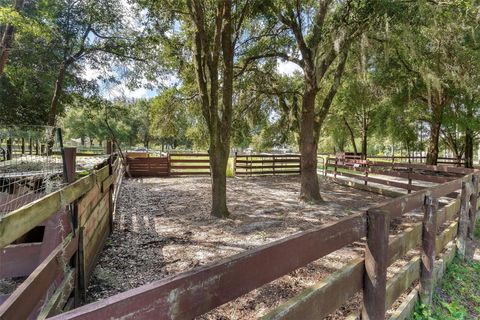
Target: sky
{"type": "Point", "coordinates": [121, 90]}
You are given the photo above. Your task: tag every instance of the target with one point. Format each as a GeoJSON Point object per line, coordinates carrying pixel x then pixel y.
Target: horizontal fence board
{"type": "Point", "coordinates": [267, 172]}
{"type": "Point", "coordinates": [16, 223]}
{"type": "Point", "coordinates": [268, 155]}
{"type": "Point", "coordinates": [59, 297]}
{"type": "Point", "coordinates": [198, 291]}
{"type": "Point", "coordinates": [93, 248]}
{"type": "Point", "coordinates": [189, 167]}
{"type": "Point", "coordinates": [189, 173]}
{"type": "Point", "coordinates": [448, 212]}
{"type": "Point", "coordinates": [98, 214]}
{"type": "Point", "coordinates": [20, 259]}
{"type": "Point", "coordinates": [325, 297]}
{"type": "Point", "coordinates": [189, 161]}
{"type": "Point", "coordinates": [406, 241]}
{"type": "Point", "coordinates": [87, 203]}
{"type": "Point", "coordinates": [269, 161]}
{"type": "Point", "coordinates": [203, 154]}
{"type": "Point", "coordinates": [445, 237]}
{"type": "Point", "coordinates": [147, 160]}
{"type": "Point", "coordinates": [402, 280]}
{"type": "Point", "coordinates": [276, 166]}
{"type": "Point", "coordinates": [21, 303]}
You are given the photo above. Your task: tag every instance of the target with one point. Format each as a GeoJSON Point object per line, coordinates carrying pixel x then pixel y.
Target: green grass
{"type": "Point", "coordinates": [459, 296]}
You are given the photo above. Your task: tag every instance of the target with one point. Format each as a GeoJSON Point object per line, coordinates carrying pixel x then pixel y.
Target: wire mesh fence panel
{"type": "Point", "coordinates": [31, 165]}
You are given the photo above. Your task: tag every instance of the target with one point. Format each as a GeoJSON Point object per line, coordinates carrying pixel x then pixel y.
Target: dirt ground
{"type": "Point", "coordinates": [163, 227]}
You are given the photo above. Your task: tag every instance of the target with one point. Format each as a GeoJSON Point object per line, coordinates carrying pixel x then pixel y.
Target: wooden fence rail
{"type": "Point", "coordinates": [61, 278]}
{"type": "Point", "coordinates": [189, 164]}
{"type": "Point", "coordinates": [266, 164]}
{"type": "Point", "coordinates": [193, 293]}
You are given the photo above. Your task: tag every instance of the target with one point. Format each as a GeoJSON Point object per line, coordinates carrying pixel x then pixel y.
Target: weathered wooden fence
{"type": "Point", "coordinates": [179, 164]}
{"type": "Point", "coordinates": [172, 165]}
{"type": "Point", "coordinates": [266, 164]}
{"type": "Point", "coordinates": [57, 282]}
{"type": "Point", "coordinates": [189, 164]}
{"type": "Point", "coordinates": [444, 230]}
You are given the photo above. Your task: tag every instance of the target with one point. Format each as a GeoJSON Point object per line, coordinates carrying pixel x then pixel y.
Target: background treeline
{"type": "Point", "coordinates": [373, 76]}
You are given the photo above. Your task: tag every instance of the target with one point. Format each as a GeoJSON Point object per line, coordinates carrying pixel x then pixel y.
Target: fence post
{"type": "Point", "coordinates": [235, 164]}
{"type": "Point", "coordinates": [273, 158]}
{"type": "Point", "coordinates": [168, 164]}
{"type": "Point", "coordinates": [109, 147]}
{"type": "Point", "coordinates": [325, 165]}
{"type": "Point", "coordinates": [473, 212]}
{"type": "Point", "coordinates": [463, 220]}
{"type": "Point", "coordinates": [376, 254]}
{"type": "Point", "coordinates": [335, 169]}
{"type": "Point", "coordinates": [428, 248]}
{"type": "Point", "coordinates": [366, 172]}
{"type": "Point", "coordinates": [9, 149]}
{"type": "Point", "coordinates": [70, 165]}
{"type": "Point", "coordinates": [410, 170]}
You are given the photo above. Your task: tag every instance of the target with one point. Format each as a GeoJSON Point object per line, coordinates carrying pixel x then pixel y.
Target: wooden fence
{"type": "Point", "coordinates": [378, 172]}
{"type": "Point", "coordinates": [266, 164]}
{"type": "Point", "coordinates": [444, 230]}
{"type": "Point", "coordinates": [189, 164]}
{"type": "Point", "coordinates": [58, 282]}
{"type": "Point", "coordinates": [171, 165]}
{"type": "Point", "coordinates": [419, 159]}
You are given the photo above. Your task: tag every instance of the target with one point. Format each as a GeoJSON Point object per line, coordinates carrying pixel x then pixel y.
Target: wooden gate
{"type": "Point", "coordinates": [149, 167]}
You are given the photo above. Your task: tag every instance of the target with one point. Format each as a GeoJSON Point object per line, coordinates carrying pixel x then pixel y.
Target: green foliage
{"type": "Point", "coordinates": [459, 296]}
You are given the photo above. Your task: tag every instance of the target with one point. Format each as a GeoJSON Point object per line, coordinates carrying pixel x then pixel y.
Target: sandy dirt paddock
{"type": "Point", "coordinates": [163, 227]}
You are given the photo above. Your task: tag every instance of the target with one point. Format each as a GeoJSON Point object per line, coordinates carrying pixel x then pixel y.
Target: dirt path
{"type": "Point", "coordinates": [163, 227]}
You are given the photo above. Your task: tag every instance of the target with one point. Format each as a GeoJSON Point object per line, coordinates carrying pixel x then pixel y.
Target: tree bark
{"type": "Point", "coordinates": [364, 144]}
{"type": "Point", "coordinates": [435, 126]}
{"type": "Point", "coordinates": [7, 38]}
{"type": "Point", "coordinates": [207, 53]}
{"type": "Point", "coordinates": [52, 114]}
{"type": "Point", "coordinates": [352, 136]}
{"type": "Point", "coordinates": [309, 189]}
{"type": "Point", "coordinates": [468, 148]}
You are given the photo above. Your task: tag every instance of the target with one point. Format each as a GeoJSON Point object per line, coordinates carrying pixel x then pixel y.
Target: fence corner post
{"type": "Point", "coordinates": [366, 172]}
{"type": "Point", "coordinates": [376, 263]}
{"type": "Point", "coordinates": [463, 220]}
{"type": "Point", "coordinates": [472, 218]}
{"type": "Point", "coordinates": [428, 249]}
{"type": "Point", "coordinates": [235, 164]}
{"type": "Point", "coordinates": [335, 169]}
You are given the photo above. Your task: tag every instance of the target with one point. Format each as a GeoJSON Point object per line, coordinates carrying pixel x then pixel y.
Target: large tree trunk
{"type": "Point", "coordinates": [309, 190]}
{"type": "Point", "coordinates": [435, 126]}
{"type": "Point", "coordinates": [352, 136]}
{"type": "Point", "coordinates": [468, 148]}
{"type": "Point", "coordinates": [207, 56]}
{"type": "Point", "coordinates": [218, 168]}
{"type": "Point", "coordinates": [364, 144]}
{"type": "Point", "coordinates": [7, 39]}
{"type": "Point", "coordinates": [221, 145]}
{"type": "Point", "coordinates": [52, 114]}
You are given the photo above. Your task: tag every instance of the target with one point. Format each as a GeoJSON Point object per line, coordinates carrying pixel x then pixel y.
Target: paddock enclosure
{"type": "Point", "coordinates": [140, 164]}
{"type": "Point", "coordinates": [425, 217]}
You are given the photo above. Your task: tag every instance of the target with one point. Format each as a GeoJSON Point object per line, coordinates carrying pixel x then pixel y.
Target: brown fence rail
{"type": "Point", "coordinates": [148, 167]}
{"type": "Point", "coordinates": [57, 283]}
{"type": "Point", "coordinates": [266, 164]}
{"type": "Point", "coordinates": [444, 230]}
{"type": "Point", "coordinates": [190, 164]}
{"type": "Point", "coordinates": [178, 164]}
{"type": "Point", "coordinates": [193, 293]}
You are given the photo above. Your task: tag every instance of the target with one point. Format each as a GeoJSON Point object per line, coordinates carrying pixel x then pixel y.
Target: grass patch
{"type": "Point", "coordinates": [459, 296]}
